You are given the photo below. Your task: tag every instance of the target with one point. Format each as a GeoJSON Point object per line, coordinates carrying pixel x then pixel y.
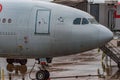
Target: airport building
{"type": "Point", "coordinates": [106, 12]}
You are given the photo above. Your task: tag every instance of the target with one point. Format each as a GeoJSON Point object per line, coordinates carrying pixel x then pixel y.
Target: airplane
{"type": "Point", "coordinates": [37, 29]}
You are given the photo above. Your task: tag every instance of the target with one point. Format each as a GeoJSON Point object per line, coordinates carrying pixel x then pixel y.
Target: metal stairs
{"type": "Point", "coordinates": [113, 52]}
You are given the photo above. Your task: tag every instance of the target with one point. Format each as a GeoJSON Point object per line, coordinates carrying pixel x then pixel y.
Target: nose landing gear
{"type": "Point", "coordinates": [42, 74]}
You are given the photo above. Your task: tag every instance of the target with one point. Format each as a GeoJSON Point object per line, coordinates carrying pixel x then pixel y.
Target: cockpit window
{"type": "Point", "coordinates": [92, 21]}
{"type": "Point", "coordinates": [85, 21]}
{"type": "Point", "coordinates": [77, 21]}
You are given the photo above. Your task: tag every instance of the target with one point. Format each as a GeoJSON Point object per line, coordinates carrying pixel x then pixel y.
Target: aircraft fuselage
{"type": "Point", "coordinates": [42, 29]}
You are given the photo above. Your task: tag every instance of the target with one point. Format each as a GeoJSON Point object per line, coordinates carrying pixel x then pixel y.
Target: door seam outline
{"type": "Point", "coordinates": [36, 33]}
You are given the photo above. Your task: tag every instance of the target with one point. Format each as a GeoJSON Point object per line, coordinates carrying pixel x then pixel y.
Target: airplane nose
{"type": "Point", "coordinates": [105, 35]}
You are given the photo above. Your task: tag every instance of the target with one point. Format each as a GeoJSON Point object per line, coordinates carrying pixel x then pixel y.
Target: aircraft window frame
{"type": "Point", "coordinates": [86, 21]}
{"type": "Point", "coordinates": [93, 21]}
{"type": "Point", "coordinates": [77, 21]}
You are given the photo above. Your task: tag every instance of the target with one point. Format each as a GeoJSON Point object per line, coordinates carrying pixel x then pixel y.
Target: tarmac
{"type": "Point", "coordinates": [91, 65]}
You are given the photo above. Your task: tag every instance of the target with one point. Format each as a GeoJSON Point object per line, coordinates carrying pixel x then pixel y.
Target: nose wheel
{"type": "Point", "coordinates": [42, 75]}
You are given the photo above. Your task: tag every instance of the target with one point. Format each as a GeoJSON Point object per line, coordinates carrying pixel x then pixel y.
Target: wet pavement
{"type": "Point", "coordinates": [91, 65]}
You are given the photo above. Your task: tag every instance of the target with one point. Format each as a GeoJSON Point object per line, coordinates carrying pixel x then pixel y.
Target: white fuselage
{"type": "Point", "coordinates": [37, 29]}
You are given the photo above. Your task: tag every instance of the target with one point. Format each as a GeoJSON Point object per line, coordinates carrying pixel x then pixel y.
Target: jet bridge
{"type": "Point", "coordinates": [113, 52]}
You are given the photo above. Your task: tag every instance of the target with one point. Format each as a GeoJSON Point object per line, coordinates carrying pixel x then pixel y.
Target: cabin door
{"type": "Point", "coordinates": [42, 25]}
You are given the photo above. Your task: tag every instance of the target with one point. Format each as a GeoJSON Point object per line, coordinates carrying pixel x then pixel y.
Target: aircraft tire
{"type": "Point", "coordinates": [49, 60]}
{"type": "Point", "coordinates": [42, 75]}
{"type": "Point", "coordinates": [47, 74]}
{"type": "Point", "coordinates": [10, 67]}
{"type": "Point", "coordinates": [23, 69]}
{"type": "Point", "coordinates": [23, 61]}
{"type": "Point", "coordinates": [10, 61]}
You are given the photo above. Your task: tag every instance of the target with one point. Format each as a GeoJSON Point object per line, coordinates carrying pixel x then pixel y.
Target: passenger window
{"type": "Point", "coordinates": [77, 21]}
{"type": "Point", "coordinates": [4, 20]}
{"type": "Point", "coordinates": [9, 20]}
{"type": "Point", "coordinates": [85, 21]}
